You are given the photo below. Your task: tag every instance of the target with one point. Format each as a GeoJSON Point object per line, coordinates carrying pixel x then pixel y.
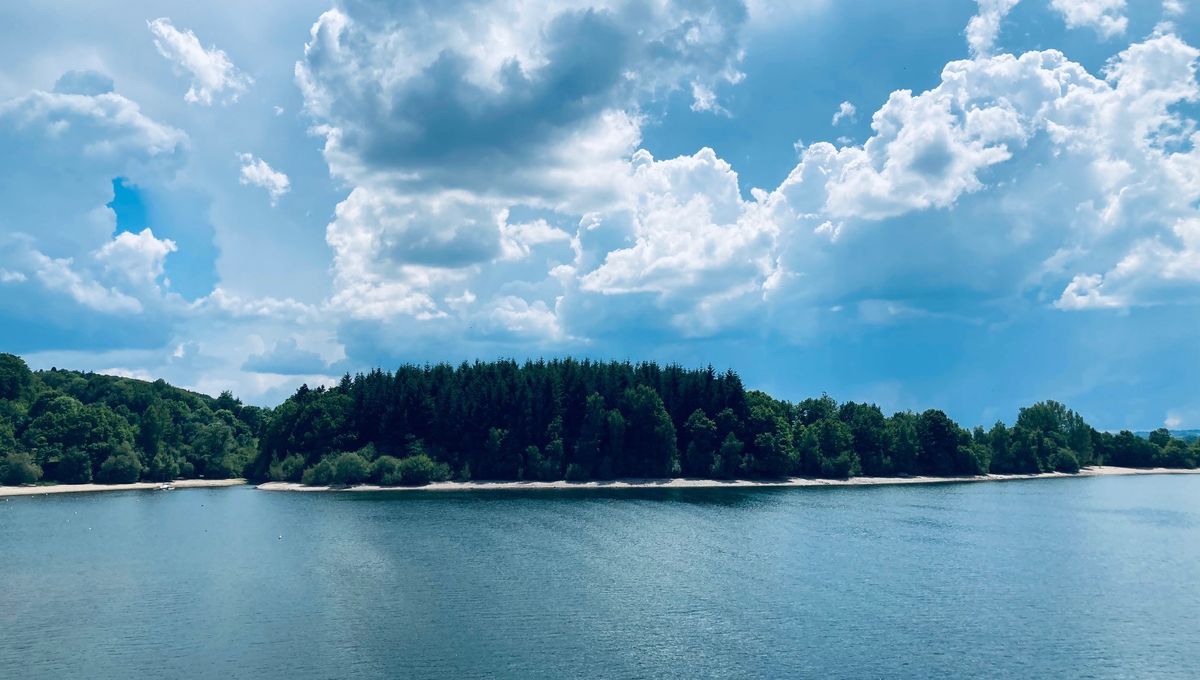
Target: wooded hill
{"type": "Point", "coordinates": [503, 420]}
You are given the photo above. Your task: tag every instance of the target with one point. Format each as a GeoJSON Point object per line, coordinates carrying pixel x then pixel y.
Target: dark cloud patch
{"type": "Point", "coordinates": [455, 122]}
{"type": "Point", "coordinates": [90, 83]}
{"type": "Point", "coordinates": [286, 358]}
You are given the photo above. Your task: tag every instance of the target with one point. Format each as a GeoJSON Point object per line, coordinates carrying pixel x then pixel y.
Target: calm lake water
{"type": "Point", "coordinates": [1095, 577]}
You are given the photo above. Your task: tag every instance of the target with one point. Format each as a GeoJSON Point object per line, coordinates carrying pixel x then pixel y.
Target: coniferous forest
{"type": "Point", "coordinates": [545, 420]}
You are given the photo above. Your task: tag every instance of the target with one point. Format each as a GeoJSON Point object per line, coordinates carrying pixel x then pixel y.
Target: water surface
{"type": "Point", "coordinates": [1092, 577]}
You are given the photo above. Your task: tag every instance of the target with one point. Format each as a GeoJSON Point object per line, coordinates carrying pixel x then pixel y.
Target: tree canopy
{"type": "Point", "coordinates": [75, 427]}
{"type": "Point", "coordinates": [503, 420]}
{"type": "Point", "coordinates": [581, 420]}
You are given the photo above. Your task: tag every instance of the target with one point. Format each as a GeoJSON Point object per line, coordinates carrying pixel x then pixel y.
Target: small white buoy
{"type": "Point", "coordinates": [280, 537]}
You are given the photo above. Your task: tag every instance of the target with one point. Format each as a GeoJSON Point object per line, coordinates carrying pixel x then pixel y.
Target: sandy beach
{"type": "Point", "coordinates": [687, 483]}
{"type": "Point", "coordinates": [81, 488]}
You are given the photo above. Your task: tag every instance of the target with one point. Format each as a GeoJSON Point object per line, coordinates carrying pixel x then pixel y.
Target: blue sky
{"type": "Point", "coordinates": [966, 205]}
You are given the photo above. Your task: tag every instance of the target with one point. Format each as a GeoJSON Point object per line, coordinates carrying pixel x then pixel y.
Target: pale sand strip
{"type": "Point", "coordinates": [77, 488]}
{"type": "Point", "coordinates": [683, 483]}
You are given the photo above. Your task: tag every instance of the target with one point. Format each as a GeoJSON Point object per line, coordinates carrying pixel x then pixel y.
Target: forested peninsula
{"type": "Point", "coordinates": [547, 420]}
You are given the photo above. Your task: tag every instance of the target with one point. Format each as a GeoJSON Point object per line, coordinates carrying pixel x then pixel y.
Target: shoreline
{"type": "Point", "coordinates": [135, 486]}
{"type": "Point", "coordinates": [562, 485]}
{"type": "Point", "coordinates": [692, 483]}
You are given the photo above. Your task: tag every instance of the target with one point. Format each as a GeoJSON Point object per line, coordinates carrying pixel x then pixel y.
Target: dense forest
{"type": "Point", "coordinates": [72, 427]}
{"type": "Point", "coordinates": [545, 420]}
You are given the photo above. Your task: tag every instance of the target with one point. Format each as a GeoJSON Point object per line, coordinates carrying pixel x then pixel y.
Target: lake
{"type": "Point", "coordinates": [1092, 577]}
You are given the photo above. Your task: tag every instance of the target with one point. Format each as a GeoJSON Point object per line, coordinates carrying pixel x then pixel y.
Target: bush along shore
{"type": "Point", "coordinates": [545, 421]}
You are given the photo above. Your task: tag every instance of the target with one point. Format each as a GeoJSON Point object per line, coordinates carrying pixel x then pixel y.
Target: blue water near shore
{"type": "Point", "coordinates": [1090, 577]}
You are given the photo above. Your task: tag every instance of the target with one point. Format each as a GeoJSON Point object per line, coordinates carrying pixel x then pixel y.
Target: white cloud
{"type": "Point", "coordinates": [1152, 272]}
{"type": "Point", "coordinates": [11, 277]}
{"type": "Point", "coordinates": [530, 102]}
{"type": "Point", "coordinates": [135, 373]}
{"type": "Point", "coordinates": [692, 234]}
{"type": "Point", "coordinates": [1084, 293]}
{"type": "Point", "coordinates": [984, 27]}
{"type": "Point", "coordinates": [57, 274]}
{"type": "Point", "coordinates": [519, 240]}
{"type": "Point", "coordinates": [105, 127]}
{"type": "Point", "coordinates": [1106, 17]}
{"type": "Point", "coordinates": [256, 172]}
{"type": "Point", "coordinates": [234, 305]}
{"type": "Point", "coordinates": [212, 72]}
{"type": "Point", "coordinates": [137, 258]}
{"type": "Point", "coordinates": [704, 99]}
{"type": "Point", "coordinates": [72, 143]}
{"type": "Point", "coordinates": [846, 111]}
{"type": "Point", "coordinates": [1100, 169]}
{"type": "Point", "coordinates": [1014, 175]}
{"type": "Point", "coordinates": [444, 123]}
{"type": "Point", "coordinates": [521, 318]}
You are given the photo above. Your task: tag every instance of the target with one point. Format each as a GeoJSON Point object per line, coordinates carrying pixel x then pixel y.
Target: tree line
{"type": "Point", "coordinates": [74, 428]}
{"type": "Point", "coordinates": [503, 420]}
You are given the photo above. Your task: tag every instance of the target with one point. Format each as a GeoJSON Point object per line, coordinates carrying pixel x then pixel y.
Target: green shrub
{"type": "Point", "coordinates": [121, 468]}
{"type": "Point", "coordinates": [1064, 460]}
{"type": "Point", "coordinates": [464, 473]}
{"type": "Point", "coordinates": [417, 470]}
{"type": "Point", "coordinates": [576, 473]}
{"type": "Point", "coordinates": [384, 467]}
{"type": "Point", "coordinates": [18, 468]}
{"type": "Point", "coordinates": [320, 474]}
{"type": "Point", "coordinates": [290, 469]}
{"type": "Point", "coordinates": [162, 468]}
{"type": "Point", "coordinates": [1177, 454]}
{"type": "Point", "coordinates": [350, 468]}
{"type": "Point", "coordinates": [74, 467]}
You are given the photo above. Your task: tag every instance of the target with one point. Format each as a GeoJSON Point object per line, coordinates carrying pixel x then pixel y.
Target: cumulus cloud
{"type": "Point", "coordinates": [516, 316]}
{"type": "Point", "coordinates": [1014, 176]}
{"type": "Point", "coordinates": [1156, 270]}
{"type": "Point", "coordinates": [443, 123]}
{"type": "Point", "coordinates": [58, 275]}
{"type": "Point", "coordinates": [696, 244]}
{"type": "Point", "coordinates": [120, 277]}
{"type": "Point", "coordinates": [137, 258]}
{"type": "Point", "coordinates": [256, 172]}
{"type": "Point", "coordinates": [529, 101]}
{"type": "Point", "coordinates": [517, 241]}
{"type": "Point", "coordinates": [76, 140]}
{"type": "Point", "coordinates": [230, 304]}
{"type": "Point", "coordinates": [104, 127]}
{"type": "Point", "coordinates": [212, 72]}
{"type": "Point", "coordinates": [1071, 170]}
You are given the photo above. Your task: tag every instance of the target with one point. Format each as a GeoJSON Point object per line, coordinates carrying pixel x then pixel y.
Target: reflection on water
{"type": "Point", "coordinates": [1086, 577]}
